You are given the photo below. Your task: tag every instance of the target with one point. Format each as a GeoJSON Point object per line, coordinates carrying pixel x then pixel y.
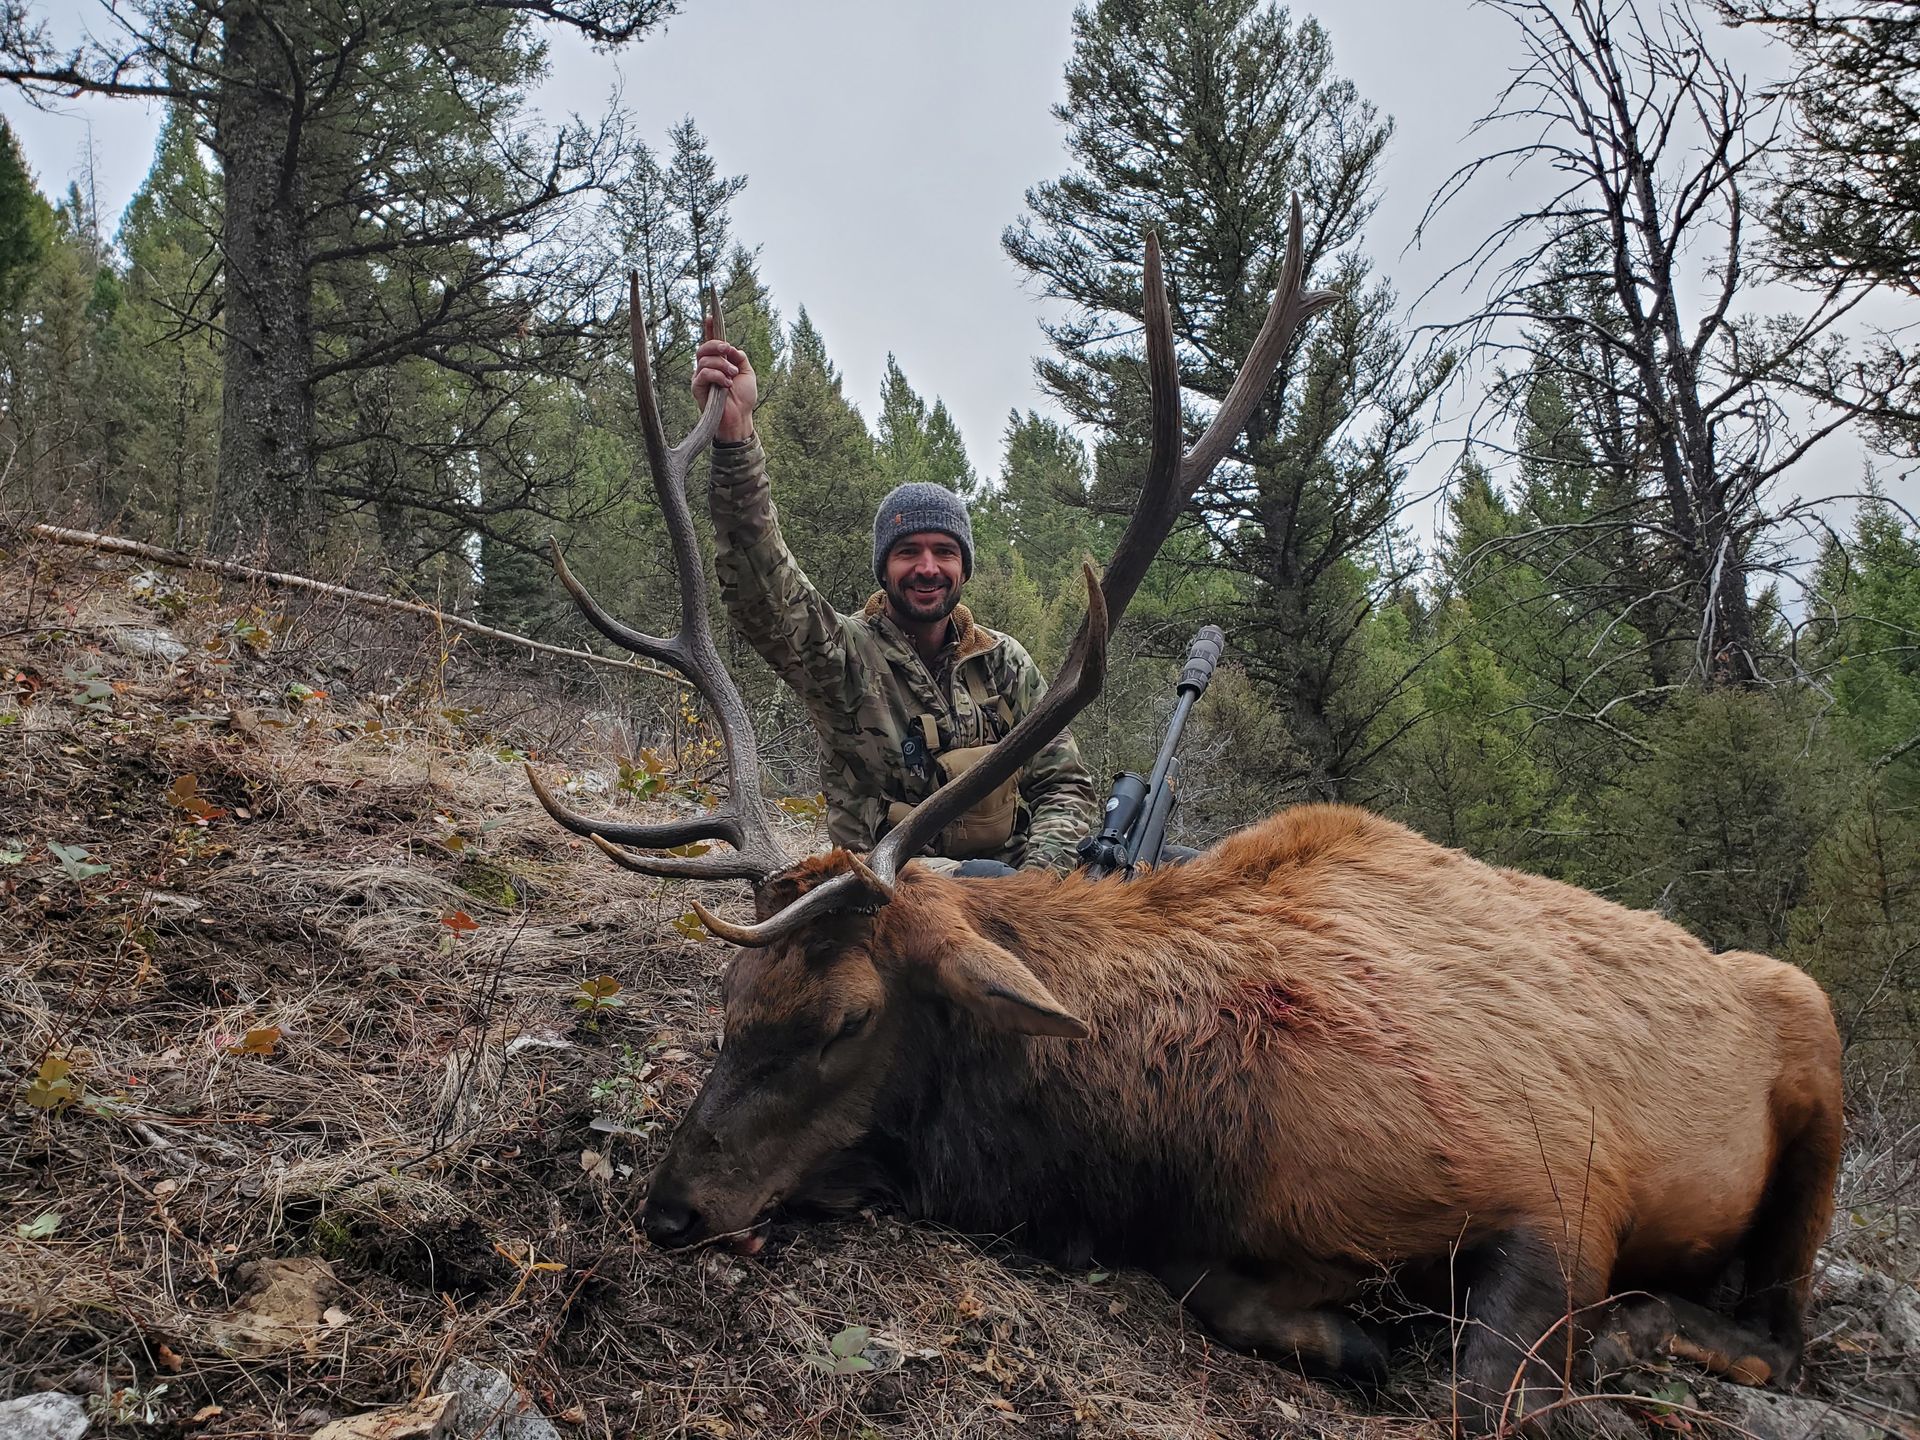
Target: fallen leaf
{"type": "Point", "coordinates": [38, 1228]}
{"type": "Point", "coordinates": [596, 1165]}
{"type": "Point", "coordinates": [335, 1317]}
{"type": "Point", "coordinates": [206, 1413]}
{"type": "Point", "coordinates": [459, 922]}
{"type": "Point", "coordinates": [74, 863]}
{"type": "Point", "coordinates": [167, 1358]}
{"type": "Point", "coordinates": [53, 1086]}
{"type": "Point", "coordinates": [259, 1041]}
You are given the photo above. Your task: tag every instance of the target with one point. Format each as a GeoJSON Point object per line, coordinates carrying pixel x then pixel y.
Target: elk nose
{"type": "Point", "coordinates": [669, 1222]}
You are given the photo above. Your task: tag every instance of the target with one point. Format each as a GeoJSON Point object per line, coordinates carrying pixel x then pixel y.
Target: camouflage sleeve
{"type": "Point", "coordinates": [768, 596]}
{"type": "Point", "coordinates": [1056, 785]}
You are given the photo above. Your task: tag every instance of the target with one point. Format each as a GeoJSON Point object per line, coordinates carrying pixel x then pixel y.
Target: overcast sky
{"type": "Point", "coordinates": [888, 144]}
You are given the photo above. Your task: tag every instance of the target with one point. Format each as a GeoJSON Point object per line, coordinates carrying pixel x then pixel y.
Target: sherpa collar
{"type": "Point", "coordinates": [967, 639]}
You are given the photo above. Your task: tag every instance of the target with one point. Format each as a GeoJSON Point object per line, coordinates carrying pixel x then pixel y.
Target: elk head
{"type": "Point", "coordinates": [848, 955]}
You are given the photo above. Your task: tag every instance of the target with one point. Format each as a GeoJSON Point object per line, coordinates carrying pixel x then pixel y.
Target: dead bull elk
{"type": "Point", "coordinates": [1323, 1048]}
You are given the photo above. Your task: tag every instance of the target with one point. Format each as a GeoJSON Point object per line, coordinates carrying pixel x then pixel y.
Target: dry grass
{"type": "Point", "coordinates": [425, 1116]}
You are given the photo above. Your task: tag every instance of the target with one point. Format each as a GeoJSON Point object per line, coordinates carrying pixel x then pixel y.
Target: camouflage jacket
{"type": "Point", "coordinates": [865, 686]}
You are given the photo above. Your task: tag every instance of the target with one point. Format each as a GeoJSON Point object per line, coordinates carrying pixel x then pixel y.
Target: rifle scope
{"type": "Point", "coordinates": [1135, 822]}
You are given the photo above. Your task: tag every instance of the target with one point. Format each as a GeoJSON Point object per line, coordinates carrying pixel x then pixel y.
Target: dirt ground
{"type": "Point", "coordinates": [327, 1059]}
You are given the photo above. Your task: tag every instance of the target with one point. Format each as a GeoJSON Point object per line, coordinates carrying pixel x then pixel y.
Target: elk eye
{"type": "Point", "coordinates": [849, 1027]}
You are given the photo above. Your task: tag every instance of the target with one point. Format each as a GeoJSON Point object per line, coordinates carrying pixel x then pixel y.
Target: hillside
{"type": "Point", "coordinates": [293, 969]}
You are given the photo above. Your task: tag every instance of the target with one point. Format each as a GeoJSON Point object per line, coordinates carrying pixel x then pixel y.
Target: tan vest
{"type": "Point", "coordinates": [988, 827]}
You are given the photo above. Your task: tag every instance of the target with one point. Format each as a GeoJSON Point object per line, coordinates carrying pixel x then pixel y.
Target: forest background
{"type": "Point", "coordinates": [365, 319]}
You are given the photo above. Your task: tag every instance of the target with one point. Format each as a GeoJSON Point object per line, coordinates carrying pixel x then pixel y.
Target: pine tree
{"type": "Point", "coordinates": [1848, 202]}
{"type": "Point", "coordinates": [1201, 120]}
{"type": "Point", "coordinates": [373, 155]}
{"type": "Point", "coordinates": [169, 374]}
{"type": "Point", "coordinates": [918, 443]}
{"type": "Point", "coordinates": [26, 224]}
{"type": "Point", "coordinates": [1040, 508]}
{"type": "Point", "coordinates": [704, 198]}
{"type": "Point", "coordinates": [827, 479]}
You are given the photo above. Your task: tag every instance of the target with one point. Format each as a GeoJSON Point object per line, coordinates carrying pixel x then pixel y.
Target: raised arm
{"type": "Point", "coordinates": [768, 597]}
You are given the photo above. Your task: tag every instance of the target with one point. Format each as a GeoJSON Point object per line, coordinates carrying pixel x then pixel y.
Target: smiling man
{"type": "Point", "coordinates": [911, 690]}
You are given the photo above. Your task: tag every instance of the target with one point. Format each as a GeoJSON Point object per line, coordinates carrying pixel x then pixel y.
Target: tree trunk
{"type": "Point", "coordinates": [266, 500]}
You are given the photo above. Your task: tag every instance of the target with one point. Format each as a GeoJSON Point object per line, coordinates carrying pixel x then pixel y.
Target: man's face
{"type": "Point", "coordinates": [924, 573]}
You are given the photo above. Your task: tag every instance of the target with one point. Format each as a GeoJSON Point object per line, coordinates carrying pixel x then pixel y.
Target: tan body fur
{"type": "Point", "coordinates": [1406, 1049]}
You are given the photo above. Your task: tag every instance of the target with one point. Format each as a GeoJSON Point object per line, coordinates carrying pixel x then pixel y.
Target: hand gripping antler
{"type": "Point", "coordinates": [1172, 478]}
{"type": "Point", "coordinates": [742, 821]}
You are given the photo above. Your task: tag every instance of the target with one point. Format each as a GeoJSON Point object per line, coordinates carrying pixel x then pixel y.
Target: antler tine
{"type": "Point", "coordinates": [1170, 483]}
{"type": "Point", "coordinates": [717, 824]}
{"type": "Point", "coordinates": [728, 865]}
{"type": "Point", "coordinates": [742, 822]}
{"type": "Point", "coordinates": [860, 884]}
{"type": "Point", "coordinates": [1291, 308]}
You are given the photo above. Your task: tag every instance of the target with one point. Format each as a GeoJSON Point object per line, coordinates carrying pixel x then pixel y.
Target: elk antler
{"type": "Point", "coordinates": [742, 821]}
{"type": "Point", "coordinates": [1172, 478]}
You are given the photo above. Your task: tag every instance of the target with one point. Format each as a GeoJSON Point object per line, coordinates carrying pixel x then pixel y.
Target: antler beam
{"type": "Point", "coordinates": [742, 822]}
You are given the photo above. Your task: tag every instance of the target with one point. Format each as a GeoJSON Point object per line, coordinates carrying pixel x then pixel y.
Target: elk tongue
{"type": "Point", "coordinates": [752, 1242]}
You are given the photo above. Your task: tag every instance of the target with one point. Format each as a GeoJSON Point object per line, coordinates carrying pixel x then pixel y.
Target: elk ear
{"type": "Point", "coordinates": [1003, 994]}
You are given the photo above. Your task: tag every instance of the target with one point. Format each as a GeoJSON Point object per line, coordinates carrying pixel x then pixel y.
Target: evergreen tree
{"type": "Point", "coordinates": [168, 379]}
{"type": "Point", "coordinates": [372, 157]}
{"type": "Point", "coordinates": [702, 198]}
{"type": "Point", "coordinates": [1867, 642]}
{"type": "Point", "coordinates": [26, 224]}
{"type": "Point", "coordinates": [918, 443]}
{"type": "Point", "coordinates": [828, 482]}
{"type": "Point", "coordinates": [1848, 202]}
{"type": "Point", "coordinates": [59, 412]}
{"type": "Point", "coordinates": [1201, 120]}
{"type": "Point", "coordinates": [1040, 508]}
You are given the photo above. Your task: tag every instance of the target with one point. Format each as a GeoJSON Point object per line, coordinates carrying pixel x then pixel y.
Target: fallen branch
{"type": "Point", "coordinates": [113, 545]}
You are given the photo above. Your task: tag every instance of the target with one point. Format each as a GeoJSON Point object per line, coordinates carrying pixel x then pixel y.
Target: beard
{"type": "Point", "coordinates": [924, 605]}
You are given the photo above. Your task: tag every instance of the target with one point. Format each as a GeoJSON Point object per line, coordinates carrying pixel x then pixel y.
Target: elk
{"type": "Point", "coordinates": [1324, 1049]}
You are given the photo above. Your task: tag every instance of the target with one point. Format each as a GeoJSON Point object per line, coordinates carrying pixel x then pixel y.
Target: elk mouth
{"type": "Point", "coordinates": [752, 1240]}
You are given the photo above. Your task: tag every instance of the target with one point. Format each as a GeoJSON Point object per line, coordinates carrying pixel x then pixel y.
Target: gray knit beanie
{"type": "Point", "coordinates": [915, 507]}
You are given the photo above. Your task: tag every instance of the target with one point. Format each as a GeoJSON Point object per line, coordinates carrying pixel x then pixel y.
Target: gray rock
{"type": "Point", "coordinates": [50, 1415]}
{"type": "Point", "coordinates": [490, 1406]}
{"type": "Point", "coordinates": [1770, 1415]}
{"type": "Point", "coordinates": [1869, 1300]}
{"type": "Point", "coordinates": [146, 643]}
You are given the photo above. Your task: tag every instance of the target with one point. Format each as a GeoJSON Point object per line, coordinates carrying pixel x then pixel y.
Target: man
{"type": "Point", "coordinates": [909, 691]}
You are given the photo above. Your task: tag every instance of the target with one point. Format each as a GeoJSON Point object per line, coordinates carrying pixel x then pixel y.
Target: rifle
{"type": "Point", "coordinates": [1134, 829]}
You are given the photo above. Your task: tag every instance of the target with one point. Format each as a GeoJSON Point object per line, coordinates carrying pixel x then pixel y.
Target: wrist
{"type": "Point", "coordinates": [739, 434]}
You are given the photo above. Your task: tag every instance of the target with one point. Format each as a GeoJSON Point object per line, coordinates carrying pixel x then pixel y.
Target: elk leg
{"type": "Point", "coordinates": [1524, 1321]}
{"type": "Point", "coordinates": [1267, 1318]}
{"type": "Point", "coordinates": [1784, 1239]}
{"type": "Point", "coordinates": [1648, 1327]}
